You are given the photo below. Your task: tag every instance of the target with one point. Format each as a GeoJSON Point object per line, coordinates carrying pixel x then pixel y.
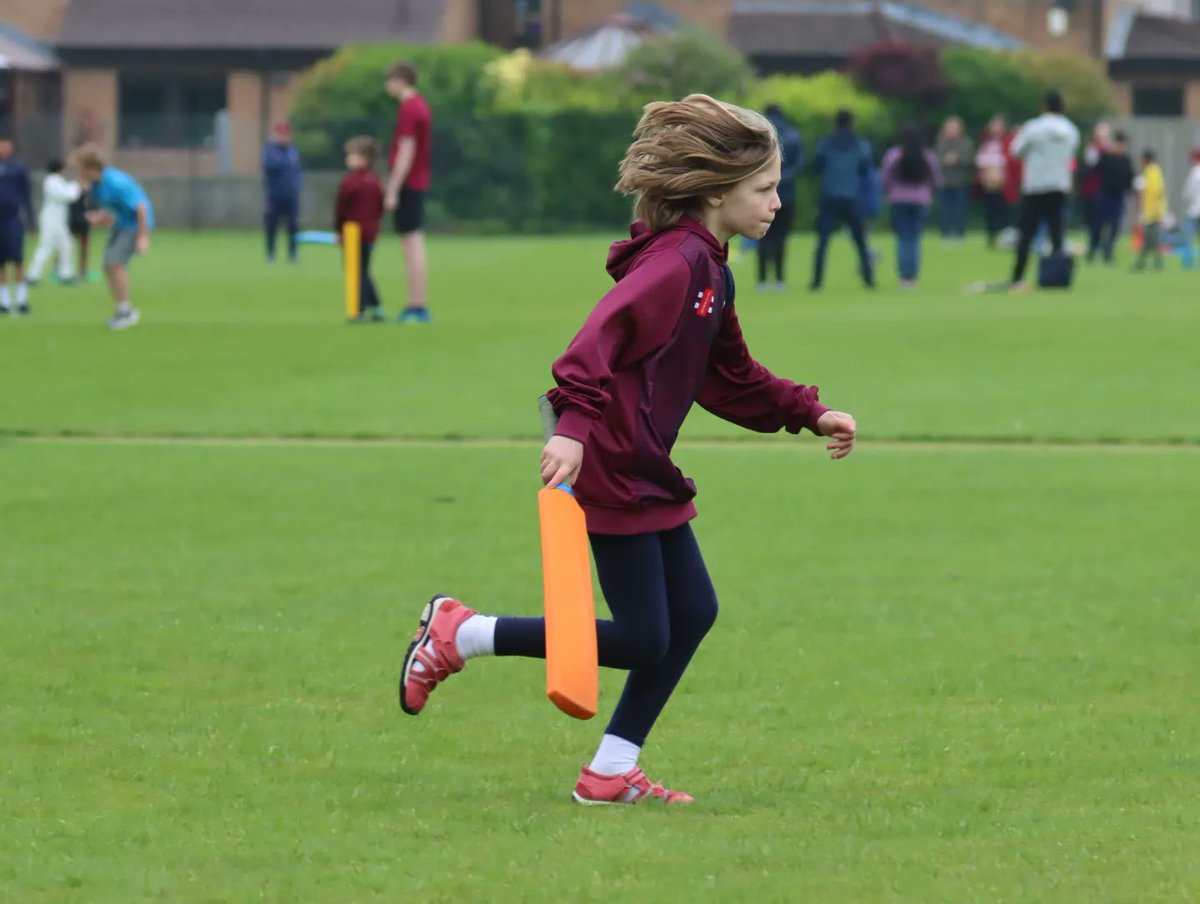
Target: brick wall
{"type": "Point", "coordinates": [40, 19]}
{"type": "Point", "coordinates": [89, 108]}
{"type": "Point", "coordinates": [1025, 19]}
{"type": "Point", "coordinates": [579, 14]}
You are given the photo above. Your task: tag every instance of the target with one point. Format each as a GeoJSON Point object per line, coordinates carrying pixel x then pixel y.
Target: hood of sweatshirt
{"type": "Point", "coordinates": [623, 254]}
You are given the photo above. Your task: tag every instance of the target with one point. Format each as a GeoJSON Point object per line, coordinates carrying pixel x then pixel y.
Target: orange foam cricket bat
{"type": "Point", "coordinates": [572, 668]}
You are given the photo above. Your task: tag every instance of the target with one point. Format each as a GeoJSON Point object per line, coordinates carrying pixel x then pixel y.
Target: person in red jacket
{"type": "Point", "coordinates": [360, 200]}
{"type": "Point", "coordinates": [664, 338]}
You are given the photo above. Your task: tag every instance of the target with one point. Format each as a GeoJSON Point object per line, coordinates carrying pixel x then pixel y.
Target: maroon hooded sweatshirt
{"type": "Point", "coordinates": [664, 337]}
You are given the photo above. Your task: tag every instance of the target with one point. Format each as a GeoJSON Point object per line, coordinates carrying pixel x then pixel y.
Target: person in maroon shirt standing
{"type": "Point", "coordinates": [360, 200]}
{"type": "Point", "coordinates": [665, 337]}
{"type": "Point", "coordinates": [408, 181]}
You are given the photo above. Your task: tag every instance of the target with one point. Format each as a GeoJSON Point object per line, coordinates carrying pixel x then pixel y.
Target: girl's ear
{"type": "Point", "coordinates": [714, 201]}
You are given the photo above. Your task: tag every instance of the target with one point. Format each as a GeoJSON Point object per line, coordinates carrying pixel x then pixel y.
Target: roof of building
{"type": "Point", "coordinates": [829, 29]}
{"type": "Point", "coordinates": [1137, 36]}
{"type": "Point", "coordinates": [603, 45]}
{"type": "Point", "coordinates": [247, 24]}
{"type": "Point", "coordinates": [19, 51]}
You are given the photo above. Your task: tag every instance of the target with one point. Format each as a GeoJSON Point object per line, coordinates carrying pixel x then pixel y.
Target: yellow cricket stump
{"type": "Point", "coordinates": [351, 256]}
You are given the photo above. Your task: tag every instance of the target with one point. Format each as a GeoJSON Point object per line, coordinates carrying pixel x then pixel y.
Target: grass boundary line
{"type": "Point", "coordinates": [885, 443]}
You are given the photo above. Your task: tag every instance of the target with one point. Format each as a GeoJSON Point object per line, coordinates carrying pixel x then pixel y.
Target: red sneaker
{"type": "Point", "coordinates": [627, 788]}
{"type": "Point", "coordinates": [432, 657]}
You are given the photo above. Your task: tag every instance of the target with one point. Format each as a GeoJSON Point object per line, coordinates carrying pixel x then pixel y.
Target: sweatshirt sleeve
{"type": "Point", "coordinates": [635, 318]}
{"type": "Point", "coordinates": [740, 390]}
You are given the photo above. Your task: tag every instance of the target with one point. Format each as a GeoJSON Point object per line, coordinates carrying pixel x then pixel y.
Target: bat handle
{"type": "Point", "coordinates": [549, 424]}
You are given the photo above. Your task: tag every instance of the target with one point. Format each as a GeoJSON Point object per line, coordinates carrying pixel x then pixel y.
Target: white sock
{"type": "Point", "coordinates": [124, 307]}
{"type": "Point", "coordinates": [615, 756]}
{"type": "Point", "coordinates": [476, 637]}
{"type": "Point", "coordinates": [22, 293]}
{"type": "Point", "coordinates": [5, 298]}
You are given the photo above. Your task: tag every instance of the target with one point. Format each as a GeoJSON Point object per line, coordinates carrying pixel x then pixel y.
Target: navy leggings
{"type": "Point", "coordinates": [663, 603]}
{"type": "Point", "coordinates": [287, 212]}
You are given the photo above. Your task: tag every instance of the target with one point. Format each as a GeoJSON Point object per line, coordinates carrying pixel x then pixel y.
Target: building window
{"type": "Point", "coordinates": [157, 111]}
{"type": "Point", "coordinates": [1158, 101]}
{"type": "Point", "coordinates": [529, 23]}
{"type": "Point", "coordinates": [511, 23]}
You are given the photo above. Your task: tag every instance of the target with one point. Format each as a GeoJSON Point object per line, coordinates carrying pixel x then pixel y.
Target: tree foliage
{"type": "Point", "coordinates": [692, 61]}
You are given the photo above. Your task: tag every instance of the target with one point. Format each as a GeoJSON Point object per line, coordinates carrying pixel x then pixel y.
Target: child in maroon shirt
{"type": "Point", "coordinates": [360, 200]}
{"type": "Point", "coordinates": [665, 337]}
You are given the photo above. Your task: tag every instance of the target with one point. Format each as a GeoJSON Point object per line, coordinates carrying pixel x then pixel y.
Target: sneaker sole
{"type": "Point", "coordinates": [126, 324]}
{"type": "Point", "coordinates": [422, 635]}
{"type": "Point", "coordinates": [598, 803]}
{"type": "Point", "coordinates": [586, 802]}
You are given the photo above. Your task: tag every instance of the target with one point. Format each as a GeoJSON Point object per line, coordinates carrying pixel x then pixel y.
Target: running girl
{"type": "Point", "coordinates": [665, 337]}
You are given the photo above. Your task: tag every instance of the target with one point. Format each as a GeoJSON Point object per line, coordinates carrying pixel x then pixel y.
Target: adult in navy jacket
{"type": "Point", "coordinates": [283, 175]}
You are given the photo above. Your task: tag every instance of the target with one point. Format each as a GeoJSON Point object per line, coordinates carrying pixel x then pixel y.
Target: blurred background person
{"type": "Point", "coordinates": [16, 213]}
{"type": "Point", "coordinates": [1191, 209]}
{"type": "Point", "coordinates": [1089, 184]}
{"type": "Point", "coordinates": [1114, 182]}
{"type": "Point", "coordinates": [842, 161]}
{"type": "Point", "coordinates": [956, 156]}
{"type": "Point", "coordinates": [772, 247]}
{"type": "Point", "coordinates": [283, 176]}
{"type": "Point", "coordinates": [1046, 146]}
{"type": "Point", "coordinates": [1152, 186]}
{"type": "Point", "coordinates": [992, 172]}
{"type": "Point", "coordinates": [54, 233]}
{"type": "Point", "coordinates": [910, 175]}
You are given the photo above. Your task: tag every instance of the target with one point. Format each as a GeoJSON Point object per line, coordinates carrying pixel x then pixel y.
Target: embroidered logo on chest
{"type": "Point", "coordinates": [705, 301]}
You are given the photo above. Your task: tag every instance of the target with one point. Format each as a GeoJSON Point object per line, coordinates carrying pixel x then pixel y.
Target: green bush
{"type": "Point", "coordinates": [692, 61]}
{"type": "Point", "coordinates": [521, 83]}
{"type": "Point", "coordinates": [985, 82]}
{"type": "Point", "coordinates": [343, 95]}
{"type": "Point", "coordinates": [811, 102]}
{"type": "Point", "coordinates": [1084, 84]}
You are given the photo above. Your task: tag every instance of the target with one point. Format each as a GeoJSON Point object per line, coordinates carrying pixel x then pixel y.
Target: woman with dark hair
{"type": "Point", "coordinates": [911, 174]}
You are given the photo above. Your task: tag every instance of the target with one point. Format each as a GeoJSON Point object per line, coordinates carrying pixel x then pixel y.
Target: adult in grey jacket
{"type": "Point", "coordinates": [1047, 146]}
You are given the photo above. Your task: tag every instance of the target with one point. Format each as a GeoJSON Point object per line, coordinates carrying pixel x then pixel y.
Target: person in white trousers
{"type": "Point", "coordinates": [54, 236]}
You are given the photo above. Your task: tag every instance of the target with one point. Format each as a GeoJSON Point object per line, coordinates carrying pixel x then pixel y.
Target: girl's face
{"type": "Point", "coordinates": [750, 206]}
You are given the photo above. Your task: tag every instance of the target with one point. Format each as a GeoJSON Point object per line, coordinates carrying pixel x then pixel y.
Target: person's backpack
{"type": "Point", "coordinates": [1056, 271]}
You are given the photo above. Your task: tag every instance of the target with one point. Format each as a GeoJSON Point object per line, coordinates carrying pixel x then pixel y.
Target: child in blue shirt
{"type": "Point", "coordinates": [122, 203]}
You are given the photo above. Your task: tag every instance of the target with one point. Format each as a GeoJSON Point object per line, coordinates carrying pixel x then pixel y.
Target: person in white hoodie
{"type": "Point", "coordinates": [1191, 208]}
{"type": "Point", "coordinates": [1047, 146]}
{"type": "Point", "coordinates": [54, 235]}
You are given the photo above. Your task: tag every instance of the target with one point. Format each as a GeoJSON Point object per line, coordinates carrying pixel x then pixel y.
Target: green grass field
{"type": "Point", "coordinates": [959, 666]}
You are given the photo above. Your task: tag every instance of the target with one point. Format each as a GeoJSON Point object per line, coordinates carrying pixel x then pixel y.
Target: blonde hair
{"type": "Point", "coordinates": [88, 156]}
{"type": "Point", "coordinates": [689, 149]}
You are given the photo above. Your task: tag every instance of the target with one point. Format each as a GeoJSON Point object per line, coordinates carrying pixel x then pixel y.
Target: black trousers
{"type": "Point", "coordinates": [287, 212]}
{"type": "Point", "coordinates": [772, 247]}
{"type": "Point", "coordinates": [995, 214]}
{"type": "Point", "coordinates": [662, 602]}
{"type": "Point", "coordinates": [831, 214]}
{"type": "Point", "coordinates": [367, 296]}
{"type": "Point", "coordinates": [1046, 207]}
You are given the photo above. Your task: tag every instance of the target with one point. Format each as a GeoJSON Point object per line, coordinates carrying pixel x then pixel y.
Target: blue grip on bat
{"type": "Point", "coordinates": [566, 488]}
